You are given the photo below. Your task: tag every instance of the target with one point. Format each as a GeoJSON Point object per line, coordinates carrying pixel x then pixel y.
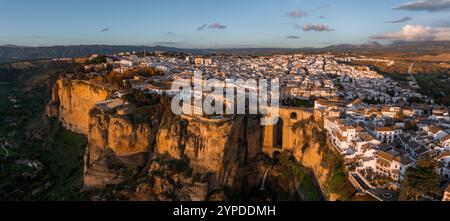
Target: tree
{"type": "Point", "coordinates": [427, 163]}
{"type": "Point", "coordinates": [145, 72]}
{"type": "Point", "coordinates": [417, 100]}
{"type": "Point", "coordinates": [115, 78]}
{"type": "Point", "coordinates": [412, 125]}
{"type": "Point", "coordinates": [421, 180]}
{"type": "Point", "coordinates": [390, 92]}
{"type": "Point", "coordinates": [140, 98]}
{"type": "Point", "coordinates": [97, 60]}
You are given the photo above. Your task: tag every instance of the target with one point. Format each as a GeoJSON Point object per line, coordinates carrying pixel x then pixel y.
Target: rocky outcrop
{"type": "Point", "coordinates": [218, 146]}
{"type": "Point", "coordinates": [126, 143]}
{"type": "Point", "coordinates": [117, 144]}
{"type": "Point", "coordinates": [312, 151]}
{"type": "Point", "coordinates": [216, 152]}
{"type": "Point", "coordinates": [72, 100]}
{"type": "Point", "coordinates": [120, 134]}
{"type": "Point", "coordinates": [163, 179]}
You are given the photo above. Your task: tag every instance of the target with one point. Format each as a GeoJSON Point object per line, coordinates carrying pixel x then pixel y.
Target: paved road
{"type": "Point", "coordinates": [413, 79]}
{"type": "Point", "coordinates": [378, 193]}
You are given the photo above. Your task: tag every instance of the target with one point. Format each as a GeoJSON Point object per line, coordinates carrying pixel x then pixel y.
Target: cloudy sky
{"type": "Point", "coordinates": [222, 23]}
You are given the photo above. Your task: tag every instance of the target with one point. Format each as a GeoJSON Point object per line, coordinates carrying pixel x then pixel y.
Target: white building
{"type": "Point", "coordinates": [445, 142]}
{"type": "Point", "coordinates": [443, 164]}
{"type": "Point", "coordinates": [436, 132]}
{"type": "Point", "coordinates": [392, 164]}
{"type": "Point", "coordinates": [446, 194]}
{"type": "Point", "coordinates": [385, 134]}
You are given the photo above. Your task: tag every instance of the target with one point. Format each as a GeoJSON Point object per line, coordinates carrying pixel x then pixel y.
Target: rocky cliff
{"type": "Point", "coordinates": [117, 144]}
{"type": "Point", "coordinates": [209, 158]}
{"type": "Point", "coordinates": [312, 151]}
{"type": "Point", "coordinates": [71, 102]}
{"type": "Point", "coordinates": [217, 146]}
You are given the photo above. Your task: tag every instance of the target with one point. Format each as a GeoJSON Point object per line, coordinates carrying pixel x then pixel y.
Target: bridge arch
{"type": "Point", "coordinates": [293, 116]}
{"type": "Point", "coordinates": [280, 135]}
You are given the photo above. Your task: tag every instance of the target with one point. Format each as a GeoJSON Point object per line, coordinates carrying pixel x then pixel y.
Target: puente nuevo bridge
{"type": "Point", "coordinates": [280, 137]}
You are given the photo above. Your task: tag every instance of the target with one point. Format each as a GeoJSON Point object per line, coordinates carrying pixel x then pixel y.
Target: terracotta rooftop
{"type": "Point", "coordinates": [341, 138]}
{"type": "Point", "coordinates": [366, 137]}
{"type": "Point", "coordinates": [444, 154]}
{"type": "Point", "coordinates": [359, 129]}
{"type": "Point", "coordinates": [343, 128]}
{"type": "Point", "coordinates": [446, 138]}
{"type": "Point", "coordinates": [384, 129]}
{"type": "Point", "coordinates": [385, 155]}
{"type": "Point", "coordinates": [403, 160]}
{"type": "Point", "coordinates": [357, 101]}
{"type": "Point", "coordinates": [433, 129]}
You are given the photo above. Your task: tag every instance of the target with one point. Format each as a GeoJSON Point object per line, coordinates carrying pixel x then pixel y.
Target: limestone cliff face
{"type": "Point", "coordinates": [217, 146]}
{"type": "Point", "coordinates": [222, 150]}
{"type": "Point", "coordinates": [116, 144]}
{"type": "Point", "coordinates": [312, 151]}
{"type": "Point", "coordinates": [124, 144]}
{"type": "Point", "coordinates": [119, 134]}
{"type": "Point", "coordinates": [71, 102]}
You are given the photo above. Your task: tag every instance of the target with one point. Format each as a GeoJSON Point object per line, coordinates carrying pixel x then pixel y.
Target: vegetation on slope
{"type": "Point", "coordinates": [431, 75]}
{"type": "Point", "coordinates": [435, 86]}
{"type": "Point", "coordinates": [421, 181]}
{"type": "Point", "coordinates": [45, 161]}
{"type": "Point", "coordinates": [337, 183]}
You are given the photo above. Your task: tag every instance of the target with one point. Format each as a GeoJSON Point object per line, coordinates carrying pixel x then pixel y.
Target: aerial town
{"type": "Point", "coordinates": [368, 118]}
{"type": "Point", "coordinates": [234, 109]}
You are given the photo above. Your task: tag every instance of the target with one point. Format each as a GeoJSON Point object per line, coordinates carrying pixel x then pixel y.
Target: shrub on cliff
{"type": "Point", "coordinates": [339, 184]}
{"type": "Point", "coordinates": [140, 98]}
{"type": "Point", "coordinates": [303, 178]}
{"type": "Point", "coordinates": [421, 181]}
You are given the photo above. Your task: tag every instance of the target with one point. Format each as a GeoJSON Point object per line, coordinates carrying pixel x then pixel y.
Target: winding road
{"type": "Point", "coordinates": [410, 73]}
{"type": "Point", "coordinates": [413, 81]}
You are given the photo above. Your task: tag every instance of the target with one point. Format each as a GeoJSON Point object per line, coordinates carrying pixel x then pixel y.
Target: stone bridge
{"type": "Point", "coordinates": [279, 137]}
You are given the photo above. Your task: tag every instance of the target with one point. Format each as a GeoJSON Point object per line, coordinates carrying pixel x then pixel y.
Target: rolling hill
{"type": "Point", "coordinates": [10, 53]}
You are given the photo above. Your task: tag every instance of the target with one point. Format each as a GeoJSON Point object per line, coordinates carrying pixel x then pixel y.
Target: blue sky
{"type": "Point", "coordinates": [220, 23]}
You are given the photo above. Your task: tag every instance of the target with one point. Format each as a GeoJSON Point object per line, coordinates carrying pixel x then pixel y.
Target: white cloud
{"type": "Point", "coordinates": [417, 33]}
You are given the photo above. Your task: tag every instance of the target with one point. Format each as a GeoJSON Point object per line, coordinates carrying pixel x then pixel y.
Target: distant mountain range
{"type": "Point", "coordinates": [406, 48]}
{"type": "Point", "coordinates": [9, 53]}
